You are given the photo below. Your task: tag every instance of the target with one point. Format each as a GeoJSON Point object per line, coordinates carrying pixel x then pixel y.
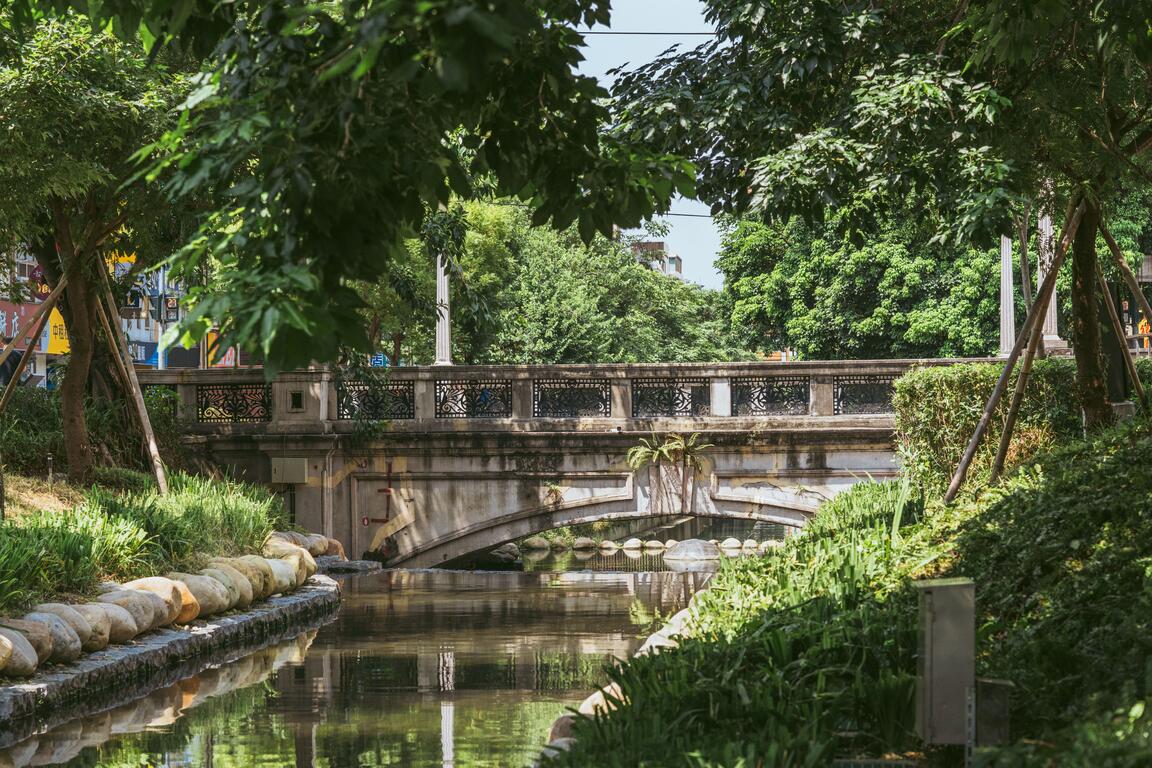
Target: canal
{"type": "Point", "coordinates": [421, 668]}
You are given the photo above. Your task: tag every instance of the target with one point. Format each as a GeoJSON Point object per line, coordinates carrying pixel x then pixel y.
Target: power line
{"type": "Point", "coordinates": [518, 204]}
{"type": "Point", "coordinates": [662, 34]}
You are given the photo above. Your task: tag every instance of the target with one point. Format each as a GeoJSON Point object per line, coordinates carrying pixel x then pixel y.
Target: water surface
{"type": "Point", "coordinates": [421, 668]}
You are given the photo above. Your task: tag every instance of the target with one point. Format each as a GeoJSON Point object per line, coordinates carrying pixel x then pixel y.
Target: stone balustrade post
{"type": "Point", "coordinates": [186, 407]}
{"type": "Point", "coordinates": [621, 398]}
{"type": "Point", "coordinates": [425, 393]}
{"type": "Point", "coordinates": [721, 396]}
{"type": "Point", "coordinates": [821, 396]}
{"type": "Point", "coordinates": [522, 398]}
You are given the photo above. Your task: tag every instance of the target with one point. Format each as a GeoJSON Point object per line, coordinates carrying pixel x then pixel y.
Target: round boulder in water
{"type": "Point", "coordinates": [653, 544]}
{"type": "Point", "coordinates": [693, 549]}
{"type": "Point", "coordinates": [535, 542]}
{"type": "Point", "coordinates": [583, 542]}
{"type": "Point", "coordinates": [750, 543]}
{"type": "Point", "coordinates": [731, 543]}
{"type": "Point", "coordinates": [633, 543]}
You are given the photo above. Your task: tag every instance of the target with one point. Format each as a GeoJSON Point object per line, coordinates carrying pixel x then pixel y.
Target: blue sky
{"type": "Point", "coordinates": [696, 239]}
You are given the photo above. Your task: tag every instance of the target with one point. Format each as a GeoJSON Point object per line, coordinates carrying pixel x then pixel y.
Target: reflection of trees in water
{"type": "Point", "coordinates": [377, 688]}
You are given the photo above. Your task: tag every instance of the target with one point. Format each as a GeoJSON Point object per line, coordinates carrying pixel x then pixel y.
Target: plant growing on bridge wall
{"type": "Point", "coordinates": [674, 450]}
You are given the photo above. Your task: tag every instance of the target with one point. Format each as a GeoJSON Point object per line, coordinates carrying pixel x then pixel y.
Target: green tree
{"type": "Point", "coordinates": [799, 108]}
{"type": "Point", "coordinates": [572, 303]}
{"type": "Point", "coordinates": [817, 292]}
{"type": "Point", "coordinates": [325, 131]}
{"type": "Point", "coordinates": [74, 106]}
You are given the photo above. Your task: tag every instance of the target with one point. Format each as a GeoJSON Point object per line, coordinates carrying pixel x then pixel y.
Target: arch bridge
{"type": "Point", "coordinates": [432, 463]}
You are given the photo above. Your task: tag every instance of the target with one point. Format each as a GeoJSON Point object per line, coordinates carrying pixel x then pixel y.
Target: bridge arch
{"type": "Point", "coordinates": [490, 532]}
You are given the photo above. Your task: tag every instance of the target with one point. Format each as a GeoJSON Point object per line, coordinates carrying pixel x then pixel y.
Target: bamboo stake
{"type": "Point", "coordinates": [43, 320]}
{"type": "Point", "coordinates": [1118, 329]}
{"type": "Point", "coordinates": [120, 349]}
{"type": "Point", "coordinates": [1126, 271]}
{"type": "Point", "coordinates": [110, 334]}
{"type": "Point", "coordinates": [1034, 337]}
{"type": "Point", "coordinates": [1025, 267]}
{"type": "Point", "coordinates": [45, 308]}
{"type": "Point", "coordinates": [1033, 317]}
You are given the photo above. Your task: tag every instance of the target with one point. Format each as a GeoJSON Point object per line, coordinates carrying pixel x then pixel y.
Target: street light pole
{"type": "Point", "coordinates": [1007, 299]}
{"type": "Point", "coordinates": [443, 314]}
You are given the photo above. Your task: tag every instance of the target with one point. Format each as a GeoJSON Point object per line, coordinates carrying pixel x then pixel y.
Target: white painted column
{"type": "Point", "coordinates": [443, 315]}
{"type": "Point", "coordinates": [1047, 250]}
{"type": "Point", "coordinates": [1007, 299]}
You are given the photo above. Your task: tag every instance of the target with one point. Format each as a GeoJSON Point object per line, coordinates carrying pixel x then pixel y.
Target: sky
{"type": "Point", "coordinates": [695, 239]}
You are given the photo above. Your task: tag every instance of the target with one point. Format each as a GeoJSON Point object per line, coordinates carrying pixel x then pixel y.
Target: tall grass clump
{"type": "Point", "coordinates": [199, 516]}
{"type": "Point", "coordinates": [123, 535]}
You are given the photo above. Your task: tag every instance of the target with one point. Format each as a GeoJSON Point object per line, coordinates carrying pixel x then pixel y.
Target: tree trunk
{"type": "Point", "coordinates": [1090, 374]}
{"type": "Point", "coordinates": [396, 339]}
{"type": "Point", "coordinates": [75, 383]}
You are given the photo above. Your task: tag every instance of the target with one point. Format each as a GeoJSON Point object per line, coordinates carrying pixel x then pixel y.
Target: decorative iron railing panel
{"type": "Point", "coordinates": [383, 401]}
{"type": "Point", "coordinates": [473, 399]}
{"type": "Point", "coordinates": [770, 395]}
{"type": "Point", "coordinates": [671, 397]}
{"type": "Point", "coordinates": [233, 403]}
{"type": "Point", "coordinates": [862, 394]}
{"type": "Point", "coordinates": [571, 398]}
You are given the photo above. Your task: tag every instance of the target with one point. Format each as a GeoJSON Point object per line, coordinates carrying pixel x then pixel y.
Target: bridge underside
{"type": "Point", "coordinates": [420, 500]}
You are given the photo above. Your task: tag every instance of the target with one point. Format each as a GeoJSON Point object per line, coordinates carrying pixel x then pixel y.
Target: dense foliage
{"type": "Point", "coordinates": [937, 410]}
{"type": "Point", "coordinates": [328, 132]}
{"type": "Point", "coordinates": [828, 296]}
{"type": "Point", "coordinates": [74, 106]}
{"type": "Point", "coordinates": [809, 652]}
{"type": "Point", "coordinates": [31, 429]}
{"type": "Point", "coordinates": [988, 110]}
{"type": "Point", "coordinates": [525, 294]}
{"type": "Point", "coordinates": [115, 535]}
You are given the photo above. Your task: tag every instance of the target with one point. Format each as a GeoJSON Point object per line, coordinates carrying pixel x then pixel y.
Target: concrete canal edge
{"type": "Point", "coordinates": [560, 736]}
{"type": "Point", "coordinates": [121, 673]}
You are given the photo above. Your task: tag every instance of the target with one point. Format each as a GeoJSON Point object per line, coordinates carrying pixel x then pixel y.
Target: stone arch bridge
{"type": "Point", "coordinates": [433, 463]}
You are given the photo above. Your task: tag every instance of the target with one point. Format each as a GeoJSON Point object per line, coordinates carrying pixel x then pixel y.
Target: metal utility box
{"type": "Point", "coordinates": [289, 470]}
{"type": "Point", "coordinates": [947, 662]}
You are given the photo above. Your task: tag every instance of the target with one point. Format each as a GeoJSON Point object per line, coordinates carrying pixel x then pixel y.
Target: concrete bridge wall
{"type": "Point", "coordinates": [434, 463]}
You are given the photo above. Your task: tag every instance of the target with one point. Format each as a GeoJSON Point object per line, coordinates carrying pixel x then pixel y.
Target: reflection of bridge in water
{"type": "Point", "coordinates": [468, 457]}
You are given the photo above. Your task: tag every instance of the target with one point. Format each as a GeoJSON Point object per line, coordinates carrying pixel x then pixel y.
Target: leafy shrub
{"type": "Point", "coordinates": [937, 410]}
{"type": "Point", "coordinates": [1063, 556]}
{"type": "Point", "coordinates": [31, 429]}
{"type": "Point", "coordinates": [122, 479]}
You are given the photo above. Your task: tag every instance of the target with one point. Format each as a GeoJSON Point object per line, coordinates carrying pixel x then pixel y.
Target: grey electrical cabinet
{"type": "Point", "coordinates": [946, 666]}
{"type": "Point", "coordinates": [290, 469]}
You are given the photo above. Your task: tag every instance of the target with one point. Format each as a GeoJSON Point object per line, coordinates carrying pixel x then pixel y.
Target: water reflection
{"type": "Point", "coordinates": [423, 668]}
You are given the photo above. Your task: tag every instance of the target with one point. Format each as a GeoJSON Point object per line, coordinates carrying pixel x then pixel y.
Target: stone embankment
{"type": "Point", "coordinates": [77, 659]}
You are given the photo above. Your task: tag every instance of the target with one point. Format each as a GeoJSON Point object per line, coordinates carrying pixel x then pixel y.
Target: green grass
{"type": "Point", "coordinates": [809, 653]}
{"type": "Point", "coordinates": [121, 535]}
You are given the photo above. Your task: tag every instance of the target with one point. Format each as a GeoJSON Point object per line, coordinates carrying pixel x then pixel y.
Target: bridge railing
{"type": "Point", "coordinates": [554, 396]}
